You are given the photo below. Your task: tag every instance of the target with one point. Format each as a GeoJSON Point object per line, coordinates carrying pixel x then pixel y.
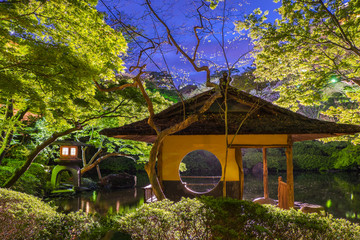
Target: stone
{"type": "Point", "coordinates": [311, 208]}
{"type": "Point", "coordinates": [87, 183]}
{"type": "Point", "coordinates": [262, 200]}
{"type": "Point", "coordinates": [257, 169]}
{"type": "Point", "coordinates": [246, 170]}
{"type": "Point", "coordinates": [121, 180]}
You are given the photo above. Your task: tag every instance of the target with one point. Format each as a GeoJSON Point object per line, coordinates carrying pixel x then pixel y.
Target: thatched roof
{"type": "Point", "coordinates": [266, 119]}
{"type": "Point", "coordinates": [69, 143]}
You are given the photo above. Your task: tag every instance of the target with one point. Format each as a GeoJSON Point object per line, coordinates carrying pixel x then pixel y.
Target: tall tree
{"type": "Point", "coordinates": [314, 49]}
{"type": "Point", "coordinates": [51, 52]}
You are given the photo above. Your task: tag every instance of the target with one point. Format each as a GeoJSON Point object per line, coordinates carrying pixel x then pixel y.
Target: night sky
{"type": "Point", "coordinates": [179, 15]}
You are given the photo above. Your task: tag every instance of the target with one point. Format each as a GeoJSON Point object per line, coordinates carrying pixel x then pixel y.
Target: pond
{"type": "Point", "coordinates": [338, 192]}
{"type": "Point", "coordinates": [102, 202]}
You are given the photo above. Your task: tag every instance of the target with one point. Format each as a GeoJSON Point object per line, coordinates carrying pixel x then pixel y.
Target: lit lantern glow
{"type": "Point", "coordinates": [73, 151]}
{"type": "Point", "coordinates": [65, 151]}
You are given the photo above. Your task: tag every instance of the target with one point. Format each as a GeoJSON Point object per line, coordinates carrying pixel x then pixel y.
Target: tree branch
{"type": "Point", "coordinates": [30, 158]}
{"type": "Point", "coordinates": [173, 41]}
{"type": "Point", "coordinates": [100, 159]}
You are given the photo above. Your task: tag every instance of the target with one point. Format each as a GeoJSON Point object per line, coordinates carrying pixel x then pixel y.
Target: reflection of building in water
{"type": "Point", "coordinates": [102, 202]}
{"type": "Point", "coordinates": [117, 206]}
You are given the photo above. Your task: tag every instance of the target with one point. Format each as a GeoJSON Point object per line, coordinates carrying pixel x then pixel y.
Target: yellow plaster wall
{"type": "Point", "coordinates": [175, 149]}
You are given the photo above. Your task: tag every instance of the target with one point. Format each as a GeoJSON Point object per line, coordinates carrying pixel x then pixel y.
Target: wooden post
{"type": "Point", "coordinates": [283, 194]}
{"type": "Point", "coordinates": [238, 158]}
{"type": "Point", "coordinates": [289, 171]}
{"type": "Point", "coordinates": [265, 175]}
{"type": "Point", "coordinates": [98, 172]}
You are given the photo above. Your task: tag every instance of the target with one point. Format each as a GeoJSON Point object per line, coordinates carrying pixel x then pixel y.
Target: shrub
{"type": "Point", "coordinates": [166, 220]}
{"type": "Point", "coordinates": [33, 181]}
{"type": "Point", "coordinates": [226, 218]}
{"type": "Point", "coordinates": [252, 157]}
{"type": "Point", "coordinates": [26, 217]}
{"type": "Point", "coordinates": [308, 155]}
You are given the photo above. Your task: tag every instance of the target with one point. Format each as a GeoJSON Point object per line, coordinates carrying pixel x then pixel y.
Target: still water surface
{"type": "Point", "coordinates": [338, 192]}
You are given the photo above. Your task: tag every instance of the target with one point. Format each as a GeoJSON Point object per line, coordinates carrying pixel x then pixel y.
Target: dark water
{"type": "Point", "coordinates": [102, 202]}
{"type": "Point", "coordinates": [339, 193]}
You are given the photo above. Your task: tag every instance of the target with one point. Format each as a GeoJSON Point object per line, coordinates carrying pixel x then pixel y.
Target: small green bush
{"type": "Point", "coordinates": [166, 220]}
{"type": "Point", "coordinates": [26, 217]}
{"type": "Point", "coordinates": [33, 181]}
{"type": "Point", "coordinates": [226, 218]}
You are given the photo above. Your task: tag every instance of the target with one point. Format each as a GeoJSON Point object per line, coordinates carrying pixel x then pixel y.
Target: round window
{"type": "Point", "coordinates": [200, 171]}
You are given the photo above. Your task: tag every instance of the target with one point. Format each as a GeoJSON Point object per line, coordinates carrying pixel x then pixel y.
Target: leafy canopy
{"type": "Point", "coordinates": [51, 51]}
{"type": "Point", "coordinates": [314, 50]}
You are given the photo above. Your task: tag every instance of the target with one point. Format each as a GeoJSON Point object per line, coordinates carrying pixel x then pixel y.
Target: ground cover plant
{"type": "Point", "coordinates": [226, 218]}
{"type": "Point", "coordinates": [24, 216]}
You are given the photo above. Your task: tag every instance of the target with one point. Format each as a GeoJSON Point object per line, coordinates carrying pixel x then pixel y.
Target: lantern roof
{"type": "Point", "coordinates": [69, 143]}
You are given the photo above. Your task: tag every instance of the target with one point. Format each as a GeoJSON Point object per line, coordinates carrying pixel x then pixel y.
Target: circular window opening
{"type": "Point", "coordinates": [200, 171]}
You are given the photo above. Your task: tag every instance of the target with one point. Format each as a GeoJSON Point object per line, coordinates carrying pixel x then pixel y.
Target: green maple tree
{"type": "Point", "coordinates": [314, 50]}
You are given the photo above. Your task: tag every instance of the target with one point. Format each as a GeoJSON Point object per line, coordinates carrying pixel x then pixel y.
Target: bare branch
{"type": "Point", "coordinates": [117, 88]}
{"type": "Point", "coordinates": [338, 25]}
{"type": "Point", "coordinates": [174, 42]}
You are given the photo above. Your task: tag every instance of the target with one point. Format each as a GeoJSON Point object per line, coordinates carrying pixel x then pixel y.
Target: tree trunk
{"type": "Point", "coordinates": [239, 161]}
{"type": "Point", "coordinates": [30, 158]}
{"type": "Point", "coordinates": [150, 166]}
{"type": "Point", "coordinates": [8, 135]}
{"type": "Point", "coordinates": [150, 169]}
{"type": "Point", "coordinates": [100, 159]}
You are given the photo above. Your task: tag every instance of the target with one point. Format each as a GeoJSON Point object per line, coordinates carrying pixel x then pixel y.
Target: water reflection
{"type": "Point", "coordinates": [102, 202]}
{"type": "Point", "coordinates": [338, 192]}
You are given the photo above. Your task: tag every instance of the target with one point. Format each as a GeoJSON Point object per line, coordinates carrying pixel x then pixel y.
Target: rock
{"type": "Point", "coordinates": [121, 180]}
{"type": "Point", "coordinates": [262, 200]}
{"type": "Point", "coordinates": [311, 208]}
{"type": "Point", "coordinates": [257, 169]}
{"type": "Point", "coordinates": [87, 183]}
{"type": "Point", "coordinates": [246, 170]}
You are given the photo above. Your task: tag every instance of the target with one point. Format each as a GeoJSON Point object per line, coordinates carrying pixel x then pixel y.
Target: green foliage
{"type": "Point", "coordinates": [34, 181]}
{"type": "Point", "coordinates": [247, 82]}
{"type": "Point", "coordinates": [26, 217]}
{"type": "Point", "coordinates": [201, 163]}
{"type": "Point", "coordinates": [225, 218]}
{"type": "Point", "coordinates": [118, 165]}
{"type": "Point", "coordinates": [348, 157]}
{"type": "Point", "coordinates": [169, 94]}
{"type": "Point", "coordinates": [251, 157]}
{"type": "Point", "coordinates": [182, 167]}
{"type": "Point", "coordinates": [53, 62]}
{"type": "Point", "coordinates": [166, 220]}
{"type": "Point", "coordinates": [308, 156]}
{"type": "Point", "coordinates": [314, 50]}
{"type": "Point", "coordinates": [314, 155]}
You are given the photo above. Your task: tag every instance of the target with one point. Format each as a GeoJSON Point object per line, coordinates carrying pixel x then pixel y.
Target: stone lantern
{"type": "Point", "coordinates": [68, 161]}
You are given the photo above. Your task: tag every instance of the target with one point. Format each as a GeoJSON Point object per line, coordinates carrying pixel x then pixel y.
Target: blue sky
{"type": "Point", "coordinates": [179, 15]}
